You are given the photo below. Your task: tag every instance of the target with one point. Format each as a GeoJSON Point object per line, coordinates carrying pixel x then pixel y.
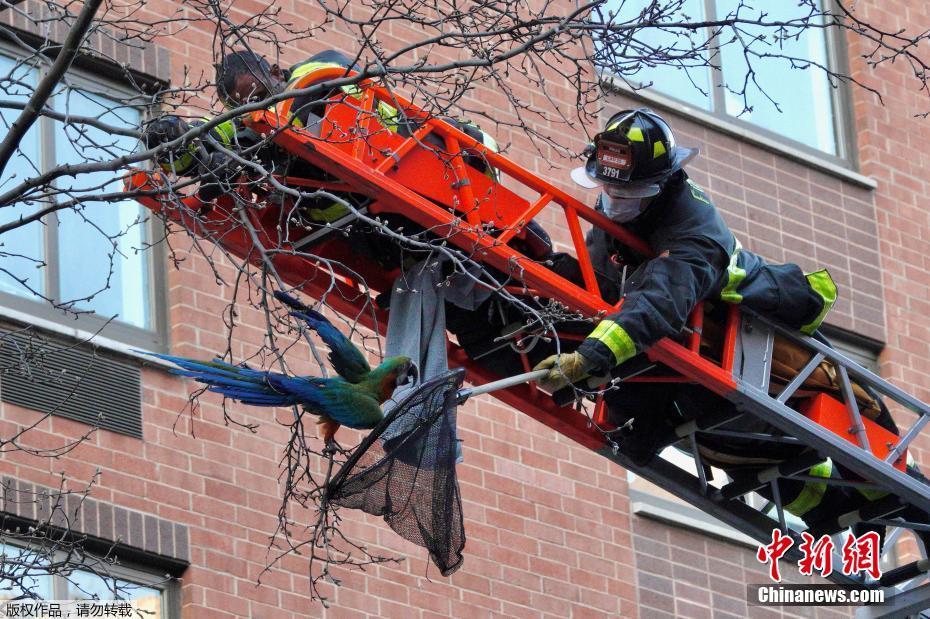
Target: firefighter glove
{"type": "Point", "coordinates": [563, 369]}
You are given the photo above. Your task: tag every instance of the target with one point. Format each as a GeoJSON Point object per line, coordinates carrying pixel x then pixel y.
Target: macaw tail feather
{"type": "Point", "coordinates": [238, 382]}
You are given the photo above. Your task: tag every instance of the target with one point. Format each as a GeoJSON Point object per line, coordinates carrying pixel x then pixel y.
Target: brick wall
{"type": "Point", "coordinates": [549, 525]}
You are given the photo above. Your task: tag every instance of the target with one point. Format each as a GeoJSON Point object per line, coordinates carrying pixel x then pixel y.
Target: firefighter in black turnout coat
{"type": "Point", "coordinates": [639, 170]}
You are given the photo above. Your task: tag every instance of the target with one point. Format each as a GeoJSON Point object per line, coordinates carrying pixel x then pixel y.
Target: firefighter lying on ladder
{"type": "Point", "coordinates": [639, 170]}
{"type": "Point", "coordinates": [244, 76]}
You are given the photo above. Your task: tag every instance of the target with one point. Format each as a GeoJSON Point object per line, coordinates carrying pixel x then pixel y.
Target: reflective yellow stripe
{"type": "Point", "coordinates": [227, 132]}
{"type": "Point", "coordinates": [614, 337]}
{"type": "Point", "coordinates": [388, 113]}
{"type": "Point", "coordinates": [389, 116]}
{"type": "Point", "coordinates": [330, 213]}
{"type": "Point", "coordinates": [735, 277]}
{"type": "Point", "coordinates": [658, 149]}
{"type": "Point", "coordinates": [309, 67]}
{"type": "Point", "coordinates": [180, 165]}
{"type": "Point", "coordinates": [813, 491]}
{"type": "Point", "coordinates": [821, 282]}
{"type": "Point", "coordinates": [491, 144]}
{"type": "Point", "coordinates": [871, 494]}
{"type": "Point", "coordinates": [697, 192]}
{"type": "Point", "coordinates": [489, 141]}
{"type": "Point", "coordinates": [635, 134]}
{"type": "Point", "coordinates": [874, 494]}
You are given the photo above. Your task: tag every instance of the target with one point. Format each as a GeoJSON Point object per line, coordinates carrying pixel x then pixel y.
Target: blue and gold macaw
{"type": "Point", "coordinates": [352, 399]}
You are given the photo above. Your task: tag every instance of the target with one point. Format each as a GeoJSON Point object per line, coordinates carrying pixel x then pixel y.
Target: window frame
{"type": "Point", "coordinates": [846, 159]}
{"type": "Point", "coordinates": [115, 335]}
{"type": "Point", "coordinates": [129, 571]}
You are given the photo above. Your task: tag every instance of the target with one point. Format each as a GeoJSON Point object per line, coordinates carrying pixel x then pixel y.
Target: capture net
{"type": "Point", "coordinates": [404, 471]}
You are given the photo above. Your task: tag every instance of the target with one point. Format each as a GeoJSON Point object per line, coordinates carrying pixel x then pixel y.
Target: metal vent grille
{"type": "Point", "coordinates": [73, 380]}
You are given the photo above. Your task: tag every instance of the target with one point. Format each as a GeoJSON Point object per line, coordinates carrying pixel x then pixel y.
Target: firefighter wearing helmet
{"type": "Point", "coordinates": [638, 168]}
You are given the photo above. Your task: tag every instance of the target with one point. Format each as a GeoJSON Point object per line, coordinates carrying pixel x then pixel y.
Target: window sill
{"type": "Point", "coordinates": [741, 132]}
{"type": "Point", "coordinates": [101, 341]}
{"type": "Point", "coordinates": [685, 517]}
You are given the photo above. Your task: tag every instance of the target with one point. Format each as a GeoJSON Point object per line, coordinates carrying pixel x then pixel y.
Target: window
{"type": "Point", "coordinates": [809, 113]}
{"type": "Point", "coordinates": [152, 594]}
{"type": "Point", "coordinates": [94, 257]}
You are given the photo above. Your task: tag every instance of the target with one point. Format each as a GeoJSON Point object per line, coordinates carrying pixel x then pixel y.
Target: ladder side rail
{"type": "Point", "coordinates": [855, 370]}
{"type": "Point", "coordinates": [905, 603]}
{"type": "Point", "coordinates": [862, 462]}
{"type": "Point", "coordinates": [494, 159]}
{"type": "Point", "coordinates": [317, 282]}
{"type": "Point", "coordinates": [486, 249]}
{"type": "Point", "coordinates": [349, 301]}
{"type": "Point", "coordinates": [440, 220]}
{"type": "Point", "coordinates": [573, 208]}
{"type": "Point", "coordinates": [689, 363]}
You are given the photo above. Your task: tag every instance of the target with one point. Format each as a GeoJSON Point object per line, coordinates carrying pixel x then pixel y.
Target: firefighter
{"type": "Point", "coordinates": [639, 171]}
{"type": "Point", "coordinates": [243, 77]}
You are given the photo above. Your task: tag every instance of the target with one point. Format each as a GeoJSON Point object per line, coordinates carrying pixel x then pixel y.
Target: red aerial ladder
{"type": "Point", "coordinates": [423, 175]}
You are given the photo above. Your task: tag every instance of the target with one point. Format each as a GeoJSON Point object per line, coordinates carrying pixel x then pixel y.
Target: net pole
{"type": "Point", "coordinates": [503, 383]}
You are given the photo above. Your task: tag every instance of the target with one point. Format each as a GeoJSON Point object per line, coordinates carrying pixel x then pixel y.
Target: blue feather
{"type": "Point", "coordinates": [346, 359]}
{"type": "Point", "coordinates": [346, 403]}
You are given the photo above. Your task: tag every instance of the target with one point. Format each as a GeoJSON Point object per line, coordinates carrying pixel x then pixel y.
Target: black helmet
{"type": "Point", "coordinates": [634, 154]}
{"type": "Point", "coordinates": [242, 62]}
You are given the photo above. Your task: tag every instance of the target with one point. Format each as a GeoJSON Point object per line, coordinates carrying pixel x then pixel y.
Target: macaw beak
{"type": "Point", "coordinates": [406, 376]}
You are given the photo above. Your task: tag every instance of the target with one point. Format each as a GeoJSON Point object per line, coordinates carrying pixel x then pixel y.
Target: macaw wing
{"type": "Point", "coordinates": [347, 360]}
{"type": "Point", "coordinates": [354, 409]}
{"type": "Point", "coordinates": [339, 400]}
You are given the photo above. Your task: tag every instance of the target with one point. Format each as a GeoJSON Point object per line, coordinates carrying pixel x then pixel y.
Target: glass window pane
{"type": "Point", "coordinates": [22, 250]}
{"type": "Point", "coordinates": [691, 85]}
{"type": "Point", "coordinates": [23, 574]}
{"type": "Point", "coordinates": [84, 585]}
{"type": "Point", "coordinates": [102, 264]}
{"type": "Point", "coordinates": [806, 113]}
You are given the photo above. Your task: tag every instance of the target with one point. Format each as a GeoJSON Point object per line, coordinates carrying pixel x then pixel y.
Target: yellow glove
{"type": "Point", "coordinates": [563, 369]}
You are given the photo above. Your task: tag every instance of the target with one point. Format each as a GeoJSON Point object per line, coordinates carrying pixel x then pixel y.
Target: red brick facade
{"type": "Point", "coordinates": [551, 531]}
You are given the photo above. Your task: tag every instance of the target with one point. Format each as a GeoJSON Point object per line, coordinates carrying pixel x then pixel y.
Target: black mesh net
{"type": "Point", "coordinates": [409, 479]}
